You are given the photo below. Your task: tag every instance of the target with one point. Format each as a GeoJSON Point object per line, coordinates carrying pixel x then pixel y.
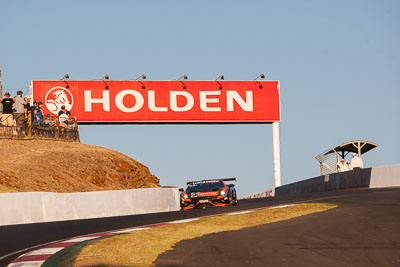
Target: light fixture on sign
{"type": "Point", "coordinates": [63, 78]}
{"type": "Point", "coordinates": [106, 77]}
{"type": "Point", "coordinates": [184, 77]}
{"type": "Point", "coordinates": [220, 77]}
{"type": "Point", "coordinates": [261, 76]}
{"type": "Point", "coordinates": [141, 77]}
{"type": "Point", "coordinates": [66, 76]}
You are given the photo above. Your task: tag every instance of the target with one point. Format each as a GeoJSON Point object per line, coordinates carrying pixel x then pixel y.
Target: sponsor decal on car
{"type": "Point", "coordinates": [203, 194]}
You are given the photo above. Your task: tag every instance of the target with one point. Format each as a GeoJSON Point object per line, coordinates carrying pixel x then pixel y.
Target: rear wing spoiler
{"type": "Point", "coordinates": [224, 179]}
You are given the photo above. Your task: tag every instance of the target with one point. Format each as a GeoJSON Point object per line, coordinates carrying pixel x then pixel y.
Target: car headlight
{"type": "Point", "coordinates": [185, 196]}
{"type": "Point", "coordinates": [222, 192]}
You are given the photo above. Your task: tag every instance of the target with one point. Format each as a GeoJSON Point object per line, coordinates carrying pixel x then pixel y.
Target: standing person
{"type": "Point", "coordinates": [341, 166]}
{"type": "Point", "coordinates": [33, 111]}
{"type": "Point", "coordinates": [27, 113]}
{"type": "Point", "coordinates": [27, 107]}
{"type": "Point", "coordinates": [19, 111]}
{"type": "Point", "coordinates": [7, 117]}
{"type": "Point", "coordinates": [349, 165]}
{"type": "Point", "coordinates": [39, 114]}
{"type": "Point", "coordinates": [356, 162]}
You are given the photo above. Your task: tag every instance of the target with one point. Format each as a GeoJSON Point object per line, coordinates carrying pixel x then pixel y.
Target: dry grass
{"type": "Point", "coordinates": [141, 248]}
{"type": "Point", "coordinates": [56, 166]}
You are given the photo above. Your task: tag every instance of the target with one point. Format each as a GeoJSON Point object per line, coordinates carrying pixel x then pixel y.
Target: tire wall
{"type": "Point", "coordinates": [34, 207]}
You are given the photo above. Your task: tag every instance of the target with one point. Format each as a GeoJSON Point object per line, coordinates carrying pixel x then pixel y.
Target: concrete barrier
{"type": "Point", "coordinates": [34, 207]}
{"type": "Point", "coordinates": [265, 193]}
{"type": "Point", "coordinates": [386, 176]}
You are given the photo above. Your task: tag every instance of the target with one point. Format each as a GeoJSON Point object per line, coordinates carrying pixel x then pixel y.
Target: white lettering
{"type": "Point", "coordinates": [89, 100]}
{"type": "Point", "coordinates": [174, 101]}
{"type": "Point", "coordinates": [152, 102]}
{"type": "Point", "coordinates": [245, 105]}
{"type": "Point", "coordinates": [119, 100]}
{"type": "Point", "coordinates": [204, 100]}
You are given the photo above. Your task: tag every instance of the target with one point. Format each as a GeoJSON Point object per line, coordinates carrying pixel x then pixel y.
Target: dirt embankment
{"type": "Point", "coordinates": [55, 166]}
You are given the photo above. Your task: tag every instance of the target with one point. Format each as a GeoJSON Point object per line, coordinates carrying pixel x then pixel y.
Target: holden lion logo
{"type": "Point", "coordinates": [57, 97]}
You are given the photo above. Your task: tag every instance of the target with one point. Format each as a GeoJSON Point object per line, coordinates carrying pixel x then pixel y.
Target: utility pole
{"type": "Point", "coordinates": [1, 86]}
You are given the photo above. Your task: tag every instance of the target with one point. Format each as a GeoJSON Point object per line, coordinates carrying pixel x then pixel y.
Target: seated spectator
{"type": "Point", "coordinates": [62, 110]}
{"type": "Point", "coordinates": [63, 119]}
{"type": "Point", "coordinates": [48, 122]}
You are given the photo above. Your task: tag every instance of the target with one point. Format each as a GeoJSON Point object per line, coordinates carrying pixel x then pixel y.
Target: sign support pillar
{"type": "Point", "coordinates": [277, 154]}
{"type": "Point", "coordinates": [1, 86]}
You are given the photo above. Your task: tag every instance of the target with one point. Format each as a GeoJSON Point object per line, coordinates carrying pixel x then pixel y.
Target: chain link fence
{"type": "Point", "coordinates": [327, 162]}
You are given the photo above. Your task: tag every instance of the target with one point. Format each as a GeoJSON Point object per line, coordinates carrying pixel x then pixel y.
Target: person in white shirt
{"type": "Point", "coordinates": [342, 166]}
{"type": "Point", "coordinates": [349, 165]}
{"type": "Point", "coordinates": [356, 162]}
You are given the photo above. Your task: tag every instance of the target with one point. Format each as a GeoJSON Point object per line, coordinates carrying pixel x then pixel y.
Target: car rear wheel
{"type": "Point", "coordinates": [232, 199]}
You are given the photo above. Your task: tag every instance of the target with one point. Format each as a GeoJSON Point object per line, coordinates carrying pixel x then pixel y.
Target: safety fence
{"type": "Point", "coordinates": [49, 128]}
{"type": "Point", "coordinates": [327, 163]}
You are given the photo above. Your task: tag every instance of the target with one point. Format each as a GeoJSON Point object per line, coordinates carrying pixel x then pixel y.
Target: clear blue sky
{"type": "Point", "coordinates": [338, 63]}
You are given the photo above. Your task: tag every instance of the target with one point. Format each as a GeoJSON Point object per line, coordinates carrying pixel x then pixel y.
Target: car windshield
{"type": "Point", "coordinates": [205, 186]}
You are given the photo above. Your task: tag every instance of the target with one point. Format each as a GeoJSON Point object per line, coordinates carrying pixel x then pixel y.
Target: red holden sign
{"type": "Point", "coordinates": [161, 101]}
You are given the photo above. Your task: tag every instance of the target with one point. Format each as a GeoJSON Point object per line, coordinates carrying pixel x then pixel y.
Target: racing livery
{"type": "Point", "coordinates": [208, 193]}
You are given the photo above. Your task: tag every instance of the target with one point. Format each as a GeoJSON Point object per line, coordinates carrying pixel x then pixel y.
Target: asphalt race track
{"type": "Point", "coordinates": [363, 231]}
{"type": "Point", "coordinates": [366, 226]}
{"type": "Point", "coordinates": [16, 240]}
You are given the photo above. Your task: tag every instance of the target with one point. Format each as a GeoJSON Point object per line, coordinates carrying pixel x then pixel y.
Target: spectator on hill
{"type": "Point", "coordinates": [27, 107]}
{"type": "Point", "coordinates": [64, 120]}
{"type": "Point", "coordinates": [7, 116]}
{"type": "Point", "coordinates": [39, 114]}
{"type": "Point", "coordinates": [341, 166]}
{"type": "Point", "coordinates": [48, 122]}
{"type": "Point", "coordinates": [356, 162]}
{"type": "Point", "coordinates": [33, 111]}
{"type": "Point", "coordinates": [62, 110]}
{"type": "Point", "coordinates": [19, 111]}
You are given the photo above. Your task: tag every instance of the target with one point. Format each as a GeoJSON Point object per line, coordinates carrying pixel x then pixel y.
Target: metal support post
{"type": "Point", "coordinates": [277, 154]}
{"type": "Point", "coordinates": [1, 86]}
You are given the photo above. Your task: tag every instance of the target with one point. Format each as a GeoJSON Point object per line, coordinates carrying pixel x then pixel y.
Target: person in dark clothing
{"type": "Point", "coordinates": [62, 110]}
{"type": "Point", "coordinates": [7, 117]}
{"type": "Point", "coordinates": [39, 115]}
{"type": "Point", "coordinates": [27, 107]}
{"type": "Point", "coordinates": [33, 110]}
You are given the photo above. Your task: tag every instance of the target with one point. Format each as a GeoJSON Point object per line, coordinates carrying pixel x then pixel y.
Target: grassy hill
{"type": "Point", "coordinates": [56, 166]}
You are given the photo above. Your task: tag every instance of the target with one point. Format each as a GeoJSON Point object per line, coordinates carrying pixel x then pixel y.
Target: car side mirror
{"type": "Point", "coordinates": [180, 189]}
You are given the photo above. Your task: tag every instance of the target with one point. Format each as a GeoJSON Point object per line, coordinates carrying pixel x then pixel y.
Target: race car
{"type": "Point", "coordinates": [208, 193]}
